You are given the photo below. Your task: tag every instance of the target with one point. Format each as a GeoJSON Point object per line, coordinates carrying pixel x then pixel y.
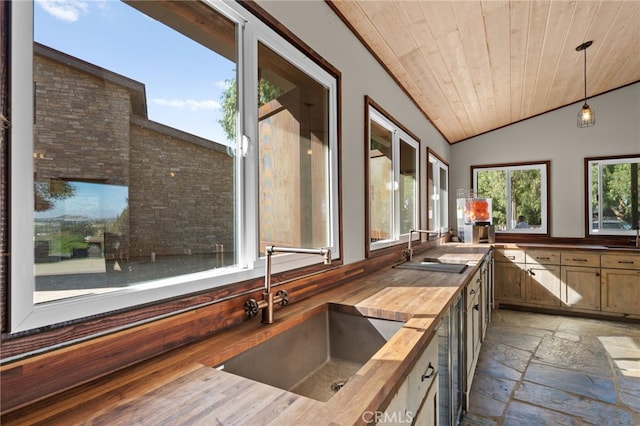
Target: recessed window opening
{"type": "Point", "coordinates": [612, 194]}
{"type": "Point", "coordinates": [519, 196]}
{"type": "Point", "coordinates": [437, 193]}
{"type": "Point", "coordinates": [393, 165]}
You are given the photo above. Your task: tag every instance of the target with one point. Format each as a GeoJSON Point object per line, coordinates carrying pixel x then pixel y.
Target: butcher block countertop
{"type": "Point", "coordinates": [182, 387]}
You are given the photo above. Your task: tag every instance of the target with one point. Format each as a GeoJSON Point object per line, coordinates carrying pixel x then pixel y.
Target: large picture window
{"type": "Point", "coordinates": [392, 180]}
{"type": "Point", "coordinates": [612, 195]}
{"type": "Point", "coordinates": [519, 195]}
{"type": "Point", "coordinates": [142, 168]}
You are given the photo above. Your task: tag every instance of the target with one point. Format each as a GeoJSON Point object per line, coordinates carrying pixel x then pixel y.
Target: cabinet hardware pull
{"type": "Point", "coordinates": [579, 260]}
{"type": "Point", "coordinates": [543, 258]}
{"type": "Point", "coordinates": [473, 291]}
{"type": "Point", "coordinates": [511, 257]}
{"type": "Point", "coordinates": [476, 307]}
{"type": "Point", "coordinates": [628, 262]}
{"type": "Point", "coordinates": [428, 374]}
{"type": "Point", "coordinates": [597, 274]}
{"type": "Point", "coordinates": [531, 272]}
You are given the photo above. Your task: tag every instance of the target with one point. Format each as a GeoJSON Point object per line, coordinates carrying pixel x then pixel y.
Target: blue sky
{"type": "Point", "coordinates": [93, 200]}
{"type": "Point", "coordinates": [183, 79]}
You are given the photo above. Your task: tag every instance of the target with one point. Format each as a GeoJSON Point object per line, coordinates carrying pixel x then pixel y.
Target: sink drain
{"type": "Point", "coordinates": [336, 386]}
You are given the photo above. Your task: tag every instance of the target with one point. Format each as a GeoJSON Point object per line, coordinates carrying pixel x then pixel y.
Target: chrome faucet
{"type": "Point", "coordinates": [409, 251]}
{"type": "Point", "coordinates": [281, 297]}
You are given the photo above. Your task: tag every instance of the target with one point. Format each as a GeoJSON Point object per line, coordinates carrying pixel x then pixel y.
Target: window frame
{"type": "Point", "coordinates": [588, 162]}
{"type": "Point", "coordinates": [399, 133]}
{"type": "Point", "coordinates": [545, 177]}
{"type": "Point", "coordinates": [440, 221]}
{"type": "Point", "coordinates": [26, 315]}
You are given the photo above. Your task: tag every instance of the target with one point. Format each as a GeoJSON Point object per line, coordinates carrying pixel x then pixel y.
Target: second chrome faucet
{"type": "Point", "coordinates": [281, 297]}
{"type": "Point", "coordinates": [409, 252]}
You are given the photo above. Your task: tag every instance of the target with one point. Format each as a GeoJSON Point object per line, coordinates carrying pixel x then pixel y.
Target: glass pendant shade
{"type": "Point", "coordinates": [586, 116]}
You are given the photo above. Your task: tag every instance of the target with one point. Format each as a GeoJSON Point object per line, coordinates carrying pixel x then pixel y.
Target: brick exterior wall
{"type": "Point", "coordinates": [180, 196]}
{"type": "Point", "coordinates": [180, 187]}
{"type": "Point", "coordinates": [81, 127]}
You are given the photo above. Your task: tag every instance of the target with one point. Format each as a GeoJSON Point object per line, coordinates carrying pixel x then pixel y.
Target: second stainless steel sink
{"type": "Point", "coordinates": [434, 265]}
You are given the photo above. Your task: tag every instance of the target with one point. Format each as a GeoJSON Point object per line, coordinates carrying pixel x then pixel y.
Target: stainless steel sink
{"type": "Point", "coordinates": [318, 356]}
{"type": "Point", "coordinates": [434, 265]}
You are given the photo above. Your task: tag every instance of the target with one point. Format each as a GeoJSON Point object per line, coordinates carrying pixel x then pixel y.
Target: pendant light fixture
{"type": "Point", "coordinates": [586, 116]}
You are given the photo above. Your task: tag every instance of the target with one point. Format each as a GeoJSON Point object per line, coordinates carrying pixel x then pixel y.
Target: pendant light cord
{"type": "Point", "coordinates": [585, 75]}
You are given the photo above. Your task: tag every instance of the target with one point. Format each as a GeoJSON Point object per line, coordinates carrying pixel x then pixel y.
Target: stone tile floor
{"type": "Point", "coordinates": [539, 369]}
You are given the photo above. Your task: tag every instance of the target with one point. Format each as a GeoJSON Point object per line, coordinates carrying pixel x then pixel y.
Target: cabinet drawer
{"type": "Point", "coordinates": [580, 259]}
{"type": "Point", "coordinates": [509, 255]}
{"type": "Point", "coordinates": [543, 257]}
{"type": "Point", "coordinates": [620, 261]}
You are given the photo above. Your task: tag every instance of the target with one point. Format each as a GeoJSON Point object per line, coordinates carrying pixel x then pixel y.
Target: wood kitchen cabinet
{"type": "Point", "coordinates": [529, 277]}
{"type": "Point", "coordinates": [542, 278]}
{"type": "Point", "coordinates": [598, 281]}
{"type": "Point", "coordinates": [580, 276]}
{"type": "Point", "coordinates": [620, 290]}
{"type": "Point", "coordinates": [510, 276]}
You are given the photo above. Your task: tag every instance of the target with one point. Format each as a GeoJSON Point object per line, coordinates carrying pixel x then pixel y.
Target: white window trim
{"type": "Point", "coordinates": [438, 220]}
{"type": "Point", "coordinates": [24, 313]}
{"type": "Point", "coordinates": [397, 135]}
{"type": "Point", "coordinates": [543, 195]}
{"type": "Point", "coordinates": [600, 163]}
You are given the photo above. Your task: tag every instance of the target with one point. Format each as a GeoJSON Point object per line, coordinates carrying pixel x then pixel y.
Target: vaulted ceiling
{"type": "Point", "coordinates": [475, 66]}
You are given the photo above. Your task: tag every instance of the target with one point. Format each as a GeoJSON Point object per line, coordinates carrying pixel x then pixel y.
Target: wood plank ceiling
{"type": "Point", "coordinates": [475, 66]}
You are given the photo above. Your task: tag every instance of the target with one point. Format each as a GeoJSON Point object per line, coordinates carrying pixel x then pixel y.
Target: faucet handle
{"type": "Point", "coordinates": [283, 297]}
{"type": "Point", "coordinates": [251, 308]}
{"type": "Point", "coordinates": [407, 254]}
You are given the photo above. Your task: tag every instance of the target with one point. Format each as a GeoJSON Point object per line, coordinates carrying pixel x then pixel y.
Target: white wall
{"type": "Point", "coordinates": [316, 24]}
{"type": "Point", "coordinates": [554, 136]}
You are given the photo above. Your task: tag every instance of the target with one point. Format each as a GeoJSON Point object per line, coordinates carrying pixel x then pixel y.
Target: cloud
{"type": "Point", "coordinates": [65, 10]}
{"type": "Point", "coordinates": [222, 84]}
{"type": "Point", "coordinates": [188, 103]}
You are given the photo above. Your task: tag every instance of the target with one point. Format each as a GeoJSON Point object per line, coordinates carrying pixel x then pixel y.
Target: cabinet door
{"type": "Point", "coordinates": [581, 287]}
{"type": "Point", "coordinates": [484, 302]}
{"type": "Point", "coordinates": [473, 331]}
{"type": "Point", "coordinates": [404, 405]}
{"type": "Point", "coordinates": [544, 285]}
{"type": "Point", "coordinates": [469, 340]}
{"type": "Point", "coordinates": [621, 291]}
{"type": "Point", "coordinates": [486, 292]}
{"type": "Point", "coordinates": [509, 282]}
{"type": "Point", "coordinates": [397, 408]}
{"type": "Point", "coordinates": [429, 413]}
{"type": "Point", "coordinates": [422, 375]}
